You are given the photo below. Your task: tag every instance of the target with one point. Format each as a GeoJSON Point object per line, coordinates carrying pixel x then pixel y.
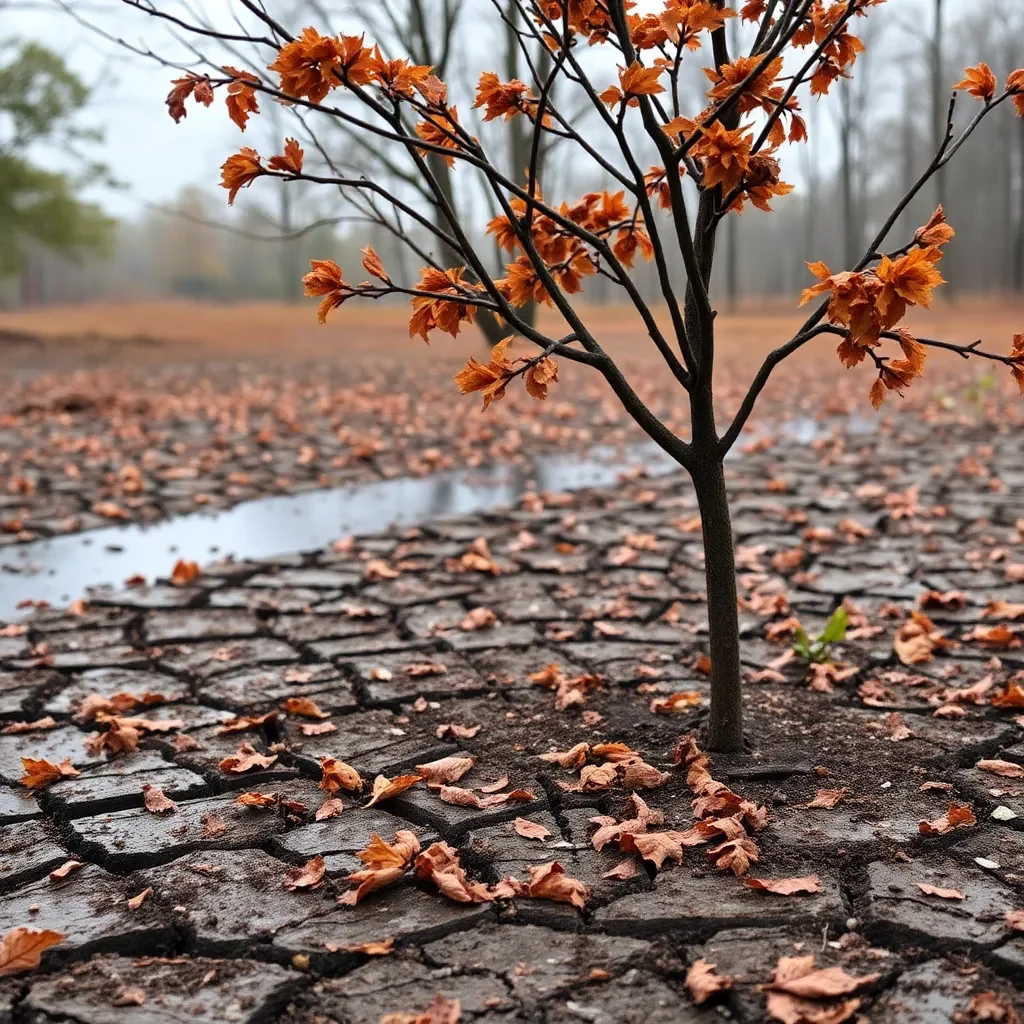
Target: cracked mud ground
{"type": "Point", "coordinates": [606, 584]}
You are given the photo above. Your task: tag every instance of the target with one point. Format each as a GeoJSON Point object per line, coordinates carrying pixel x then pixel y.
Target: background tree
{"type": "Point", "coordinates": [40, 103]}
{"type": "Point", "coordinates": [647, 144]}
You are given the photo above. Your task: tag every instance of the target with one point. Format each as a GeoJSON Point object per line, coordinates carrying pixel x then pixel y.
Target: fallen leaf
{"type": "Point", "coordinates": [1007, 769]}
{"type": "Point", "coordinates": [317, 728]}
{"type": "Point", "coordinates": [385, 864]}
{"type": "Point", "coordinates": [246, 723]}
{"type": "Point", "coordinates": [338, 775]}
{"type": "Point", "coordinates": [259, 800]}
{"type": "Point", "coordinates": [39, 773]}
{"type": "Point", "coordinates": [441, 1011]}
{"type": "Point", "coordinates": [445, 769]}
{"type": "Point", "coordinates": [303, 707]}
{"type": "Point", "coordinates": [329, 809]}
{"type": "Point", "coordinates": [550, 882]}
{"type": "Point", "coordinates": [377, 947]}
{"type": "Point", "coordinates": [703, 981]}
{"type": "Point", "coordinates": [156, 801]}
{"type": "Point", "coordinates": [39, 725]}
{"type": "Point", "coordinates": [946, 894]}
{"type": "Point", "coordinates": [956, 816]}
{"type": "Point", "coordinates": [387, 789]}
{"type": "Point", "coordinates": [828, 798]}
{"type": "Point", "coordinates": [21, 948]}
{"type": "Point", "coordinates": [1015, 920]}
{"type": "Point", "coordinates": [136, 901]}
{"type": "Point", "coordinates": [440, 864]}
{"type": "Point", "coordinates": [478, 618]}
{"type": "Point", "coordinates": [126, 996]}
{"type": "Point", "coordinates": [184, 573]}
{"type": "Point", "coordinates": [530, 829]}
{"type": "Point", "coordinates": [574, 757]}
{"type": "Point", "coordinates": [676, 703]}
{"type": "Point", "coordinates": [65, 869]}
{"type": "Point", "coordinates": [460, 732]}
{"type": "Point", "coordinates": [245, 759]}
{"type": "Point", "coordinates": [309, 876]}
{"type": "Point", "coordinates": [786, 886]}
{"type": "Point", "coordinates": [496, 786]}
{"type": "Point", "coordinates": [625, 869]}
{"type": "Point", "coordinates": [212, 825]}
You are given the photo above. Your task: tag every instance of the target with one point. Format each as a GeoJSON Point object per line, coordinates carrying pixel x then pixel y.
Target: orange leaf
{"type": "Point", "coordinates": [703, 981]}
{"type": "Point", "coordinates": [372, 264]}
{"type": "Point", "coordinates": [945, 894]}
{"type": "Point", "coordinates": [387, 789]}
{"type": "Point", "coordinates": [21, 948]}
{"type": "Point", "coordinates": [979, 81]}
{"type": "Point", "coordinates": [309, 876]}
{"type": "Point", "coordinates": [786, 886]}
{"type": "Point", "coordinates": [39, 773]}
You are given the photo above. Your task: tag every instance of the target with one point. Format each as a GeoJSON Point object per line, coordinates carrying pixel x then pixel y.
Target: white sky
{"type": "Point", "coordinates": [145, 149]}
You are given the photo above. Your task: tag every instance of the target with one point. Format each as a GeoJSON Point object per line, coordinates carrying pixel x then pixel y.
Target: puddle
{"type": "Point", "coordinates": [60, 569]}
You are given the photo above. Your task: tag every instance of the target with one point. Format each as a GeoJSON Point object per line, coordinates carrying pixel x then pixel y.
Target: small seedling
{"type": "Point", "coordinates": [819, 650]}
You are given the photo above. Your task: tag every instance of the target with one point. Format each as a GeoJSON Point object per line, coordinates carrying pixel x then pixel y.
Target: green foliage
{"type": "Point", "coordinates": [40, 99]}
{"type": "Point", "coordinates": [820, 649]}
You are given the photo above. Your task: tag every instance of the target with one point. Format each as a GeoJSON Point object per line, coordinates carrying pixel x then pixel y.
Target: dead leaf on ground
{"type": "Point", "coordinates": [245, 759]}
{"type": "Point", "coordinates": [946, 894]}
{"type": "Point", "coordinates": [136, 901]}
{"type": "Point", "coordinates": [303, 707]}
{"type": "Point", "coordinates": [530, 829]}
{"type": "Point", "coordinates": [309, 876]}
{"type": "Point", "coordinates": [385, 864]}
{"type": "Point", "coordinates": [703, 981]}
{"type": "Point", "coordinates": [40, 773]}
{"type": "Point", "coordinates": [65, 869]}
{"type": "Point", "coordinates": [337, 775]}
{"type": "Point", "coordinates": [956, 816]}
{"type": "Point", "coordinates": [387, 789]}
{"type": "Point", "coordinates": [329, 809]}
{"type": "Point", "coordinates": [445, 769]}
{"type": "Point", "coordinates": [21, 948]}
{"type": "Point", "coordinates": [828, 798]}
{"type": "Point", "coordinates": [786, 886]}
{"type": "Point", "coordinates": [156, 801]}
{"type": "Point", "coordinates": [1007, 769]}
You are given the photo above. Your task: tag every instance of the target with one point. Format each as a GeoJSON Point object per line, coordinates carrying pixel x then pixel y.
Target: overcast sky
{"type": "Point", "coordinates": [144, 148]}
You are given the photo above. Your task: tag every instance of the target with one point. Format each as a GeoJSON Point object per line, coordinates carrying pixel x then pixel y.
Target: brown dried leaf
{"type": "Point", "coordinates": [530, 829]}
{"type": "Point", "coordinates": [786, 886]}
{"type": "Point", "coordinates": [21, 948]}
{"type": "Point", "coordinates": [703, 981]}
{"type": "Point", "coordinates": [303, 707]}
{"type": "Point", "coordinates": [946, 894]}
{"type": "Point", "coordinates": [39, 773]}
{"type": "Point", "coordinates": [329, 809]}
{"type": "Point", "coordinates": [445, 769]}
{"type": "Point", "coordinates": [309, 876]}
{"type": "Point", "coordinates": [156, 801]}
{"type": "Point", "coordinates": [828, 798]}
{"type": "Point", "coordinates": [246, 758]}
{"type": "Point", "coordinates": [387, 789]}
{"type": "Point", "coordinates": [337, 775]}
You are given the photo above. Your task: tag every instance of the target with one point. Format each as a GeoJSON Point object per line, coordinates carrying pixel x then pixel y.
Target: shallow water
{"type": "Point", "coordinates": [59, 569]}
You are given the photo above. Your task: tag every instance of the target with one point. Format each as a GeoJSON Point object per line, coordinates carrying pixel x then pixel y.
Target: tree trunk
{"type": "Point", "coordinates": [725, 726]}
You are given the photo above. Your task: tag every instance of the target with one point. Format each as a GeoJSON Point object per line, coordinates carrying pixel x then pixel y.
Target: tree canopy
{"type": "Point", "coordinates": [40, 100]}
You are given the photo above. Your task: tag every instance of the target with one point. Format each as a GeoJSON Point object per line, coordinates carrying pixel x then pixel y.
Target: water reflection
{"type": "Point", "coordinates": [60, 569]}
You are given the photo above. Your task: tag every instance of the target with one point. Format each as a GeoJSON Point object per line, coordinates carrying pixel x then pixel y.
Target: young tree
{"type": "Point", "coordinates": [729, 150]}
